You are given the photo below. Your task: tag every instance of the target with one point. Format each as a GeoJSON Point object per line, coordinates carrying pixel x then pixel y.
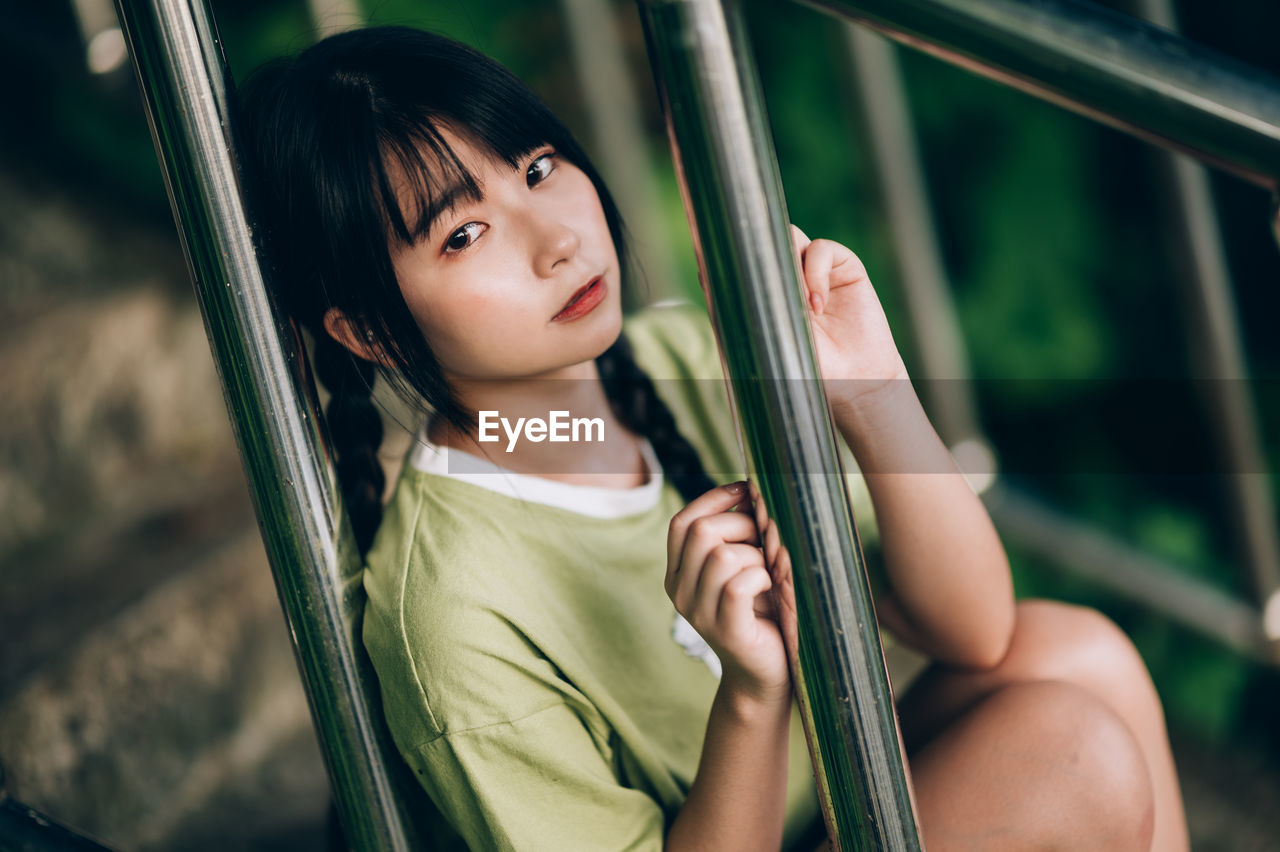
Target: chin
{"type": "Point", "coordinates": [610, 331]}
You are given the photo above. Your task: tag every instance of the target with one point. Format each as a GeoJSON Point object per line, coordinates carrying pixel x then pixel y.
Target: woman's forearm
{"type": "Point", "coordinates": [945, 564]}
{"type": "Point", "coordinates": [738, 798]}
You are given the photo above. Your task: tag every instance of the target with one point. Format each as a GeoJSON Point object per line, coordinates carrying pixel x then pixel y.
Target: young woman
{"type": "Point", "coordinates": [573, 638]}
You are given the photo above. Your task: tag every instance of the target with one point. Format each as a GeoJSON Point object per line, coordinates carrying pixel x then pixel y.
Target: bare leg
{"type": "Point", "coordinates": [1040, 766]}
{"type": "Point", "coordinates": [1064, 645]}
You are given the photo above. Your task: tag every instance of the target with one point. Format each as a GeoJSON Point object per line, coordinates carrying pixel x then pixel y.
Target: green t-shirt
{"type": "Point", "coordinates": [534, 673]}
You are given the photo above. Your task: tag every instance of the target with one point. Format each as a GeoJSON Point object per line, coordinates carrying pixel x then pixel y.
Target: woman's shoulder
{"type": "Point", "coordinates": [674, 344]}
{"type": "Point", "coordinates": [438, 619]}
{"type": "Point", "coordinates": [674, 339]}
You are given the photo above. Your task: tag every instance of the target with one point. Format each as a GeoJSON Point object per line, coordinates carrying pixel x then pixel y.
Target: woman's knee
{"type": "Point", "coordinates": [1043, 765]}
{"type": "Point", "coordinates": [1116, 795]}
{"type": "Point", "coordinates": [1079, 645]}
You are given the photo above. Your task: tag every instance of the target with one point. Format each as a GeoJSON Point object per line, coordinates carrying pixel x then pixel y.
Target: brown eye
{"type": "Point", "coordinates": [540, 169]}
{"type": "Point", "coordinates": [463, 237]}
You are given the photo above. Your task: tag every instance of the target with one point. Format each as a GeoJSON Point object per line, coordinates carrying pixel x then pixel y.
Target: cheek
{"type": "Point", "coordinates": [475, 332]}
{"type": "Point", "coordinates": [457, 327]}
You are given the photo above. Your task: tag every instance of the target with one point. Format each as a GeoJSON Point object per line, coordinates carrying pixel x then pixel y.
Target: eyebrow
{"type": "Point", "coordinates": [442, 192]}
{"type": "Point", "coordinates": [442, 200]}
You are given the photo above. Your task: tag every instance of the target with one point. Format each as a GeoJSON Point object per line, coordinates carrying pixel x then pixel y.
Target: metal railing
{"type": "Point", "coordinates": [733, 195]}
{"type": "Point", "coordinates": [1118, 70]}
{"type": "Point", "coordinates": [1115, 69]}
{"type": "Point", "coordinates": [1241, 103]}
{"type": "Point", "coordinates": [1112, 68]}
{"type": "Point", "coordinates": [1220, 368]}
{"type": "Point", "coordinates": [24, 829]}
{"type": "Point", "coordinates": [271, 399]}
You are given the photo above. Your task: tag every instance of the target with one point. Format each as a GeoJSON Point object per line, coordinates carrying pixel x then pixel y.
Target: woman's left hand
{"type": "Point", "coordinates": [856, 352]}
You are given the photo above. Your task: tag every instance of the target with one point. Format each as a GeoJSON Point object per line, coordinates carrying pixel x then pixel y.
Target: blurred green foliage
{"type": "Point", "coordinates": [1061, 258]}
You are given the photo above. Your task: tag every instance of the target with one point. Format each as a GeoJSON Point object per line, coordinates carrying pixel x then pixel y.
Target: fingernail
{"type": "Point", "coordinates": [737, 487]}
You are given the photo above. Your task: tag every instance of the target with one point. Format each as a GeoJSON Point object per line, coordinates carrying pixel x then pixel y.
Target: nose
{"type": "Point", "coordinates": [555, 242]}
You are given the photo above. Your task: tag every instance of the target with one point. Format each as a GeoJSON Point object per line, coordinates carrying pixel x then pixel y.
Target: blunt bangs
{"type": "Point", "coordinates": [417, 174]}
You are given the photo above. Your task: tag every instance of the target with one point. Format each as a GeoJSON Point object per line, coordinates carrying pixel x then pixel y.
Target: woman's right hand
{"type": "Point", "coordinates": [717, 579]}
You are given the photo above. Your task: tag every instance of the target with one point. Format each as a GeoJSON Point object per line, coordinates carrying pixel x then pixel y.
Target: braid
{"type": "Point", "coordinates": [636, 403]}
{"type": "Point", "coordinates": [356, 429]}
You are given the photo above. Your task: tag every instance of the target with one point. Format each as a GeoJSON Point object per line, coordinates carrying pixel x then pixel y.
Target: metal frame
{"type": "Point", "coordinates": [1113, 68]}
{"type": "Point", "coordinates": [1219, 358]}
{"type": "Point", "coordinates": [733, 197]}
{"type": "Point", "coordinates": [1092, 38]}
{"type": "Point", "coordinates": [619, 145]}
{"type": "Point", "coordinates": [271, 400]}
{"type": "Point", "coordinates": [1107, 66]}
{"type": "Point", "coordinates": [24, 829]}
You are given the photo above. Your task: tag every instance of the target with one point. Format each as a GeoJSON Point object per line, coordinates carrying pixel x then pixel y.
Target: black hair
{"type": "Point", "coordinates": [318, 133]}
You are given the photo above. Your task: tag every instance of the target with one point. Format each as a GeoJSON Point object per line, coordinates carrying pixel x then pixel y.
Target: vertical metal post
{"type": "Point", "coordinates": [334, 16]}
{"type": "Point", "coordinates": [939, 340]}
{"type": "Point", "coordinates": [733, 197]}
{"type": "Point", "coordinates": [103, 42]}
{"type": "Point", "coordinates": [889, 129]}
{"type": "Point", "coordinates": [185, 83]}
{"type": "Point", "coordinates": [621, 144]}
{"type": "Point", "coordinates": [1218, 356]}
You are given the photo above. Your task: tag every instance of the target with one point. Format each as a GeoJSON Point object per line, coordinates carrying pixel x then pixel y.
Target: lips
{"type": "Point", "coordinates": [583, 300]}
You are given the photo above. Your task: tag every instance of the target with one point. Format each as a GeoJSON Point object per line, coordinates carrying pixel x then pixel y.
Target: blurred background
{"type": "Point", "coordinates": [148, 694]}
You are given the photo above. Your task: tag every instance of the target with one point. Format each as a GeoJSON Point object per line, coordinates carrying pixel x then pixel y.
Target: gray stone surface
{"type": "Point", "coordinates": [188, 698]}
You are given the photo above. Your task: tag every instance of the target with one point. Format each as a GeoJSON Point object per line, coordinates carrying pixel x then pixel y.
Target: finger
{"type": "Point", "coordinates": [737, 614]}
{"type": "Point", "coordinates": [705, 535]}
{"type": "Point", "coordinates": [722, 565]}
{"type": "Point", "coordinates": [799, 242]}
{"type": "Point", "coordinates": [818, 262]}
{"type": "Point", "coordinates": [848, 268]}
{"type": "Point", "coordinates": [772, 542]}
{"type": "Point", "coordinates": [715, 501]}
{"type": "Point", "coordinates": [757, 504]}
{"type": "Point", "coordinates": [850, 265]}
{"type": "Point", "coordinates": [763, 605]}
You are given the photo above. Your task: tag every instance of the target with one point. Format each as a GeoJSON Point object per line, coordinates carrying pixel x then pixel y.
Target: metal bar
{"type": "Point", "coordinates": [1110, 67]}
{"type": "Point", "coordinates": [1082, 549]}
{"type": "Point", "coordinates": [1219, 357]}
{"type": "Point", "coordinates": [103, 42]}
{"type": "Point", "coordinates": [1275, 217]}
{"type": "Point", "coordinates": [923, 277]}
{"type": "Point", "coordinates": [620, 142]}
{"type": "Point", "coordinates": [733, 196]}
{"type": "Point", "coordinates": [186, 86]}
{"type": "Point", "coordinates": [334, 16]}
{"type": "Point", "coordinates": [23, 829]}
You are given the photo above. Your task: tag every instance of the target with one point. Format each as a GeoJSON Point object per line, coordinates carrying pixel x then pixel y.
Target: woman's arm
{"type": "Point", "coordinates": [738, 797]}
{"type": "Point", "coordinates": [952, 596]}
{"type": "Point", "coordinates": [715, 574]}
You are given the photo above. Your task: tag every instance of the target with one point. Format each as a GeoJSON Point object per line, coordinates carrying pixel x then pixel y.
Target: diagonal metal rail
{"type": "Point", "coordinates": [733, 197]}
{"type": "Point", "coordinates": [271, 399]}
{"type": "Point", "coordinates": [1110, 67]}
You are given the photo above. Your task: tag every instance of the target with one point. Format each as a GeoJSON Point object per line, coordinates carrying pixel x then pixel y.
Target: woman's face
{"type": "Point", "coordinates": [490, 282]}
